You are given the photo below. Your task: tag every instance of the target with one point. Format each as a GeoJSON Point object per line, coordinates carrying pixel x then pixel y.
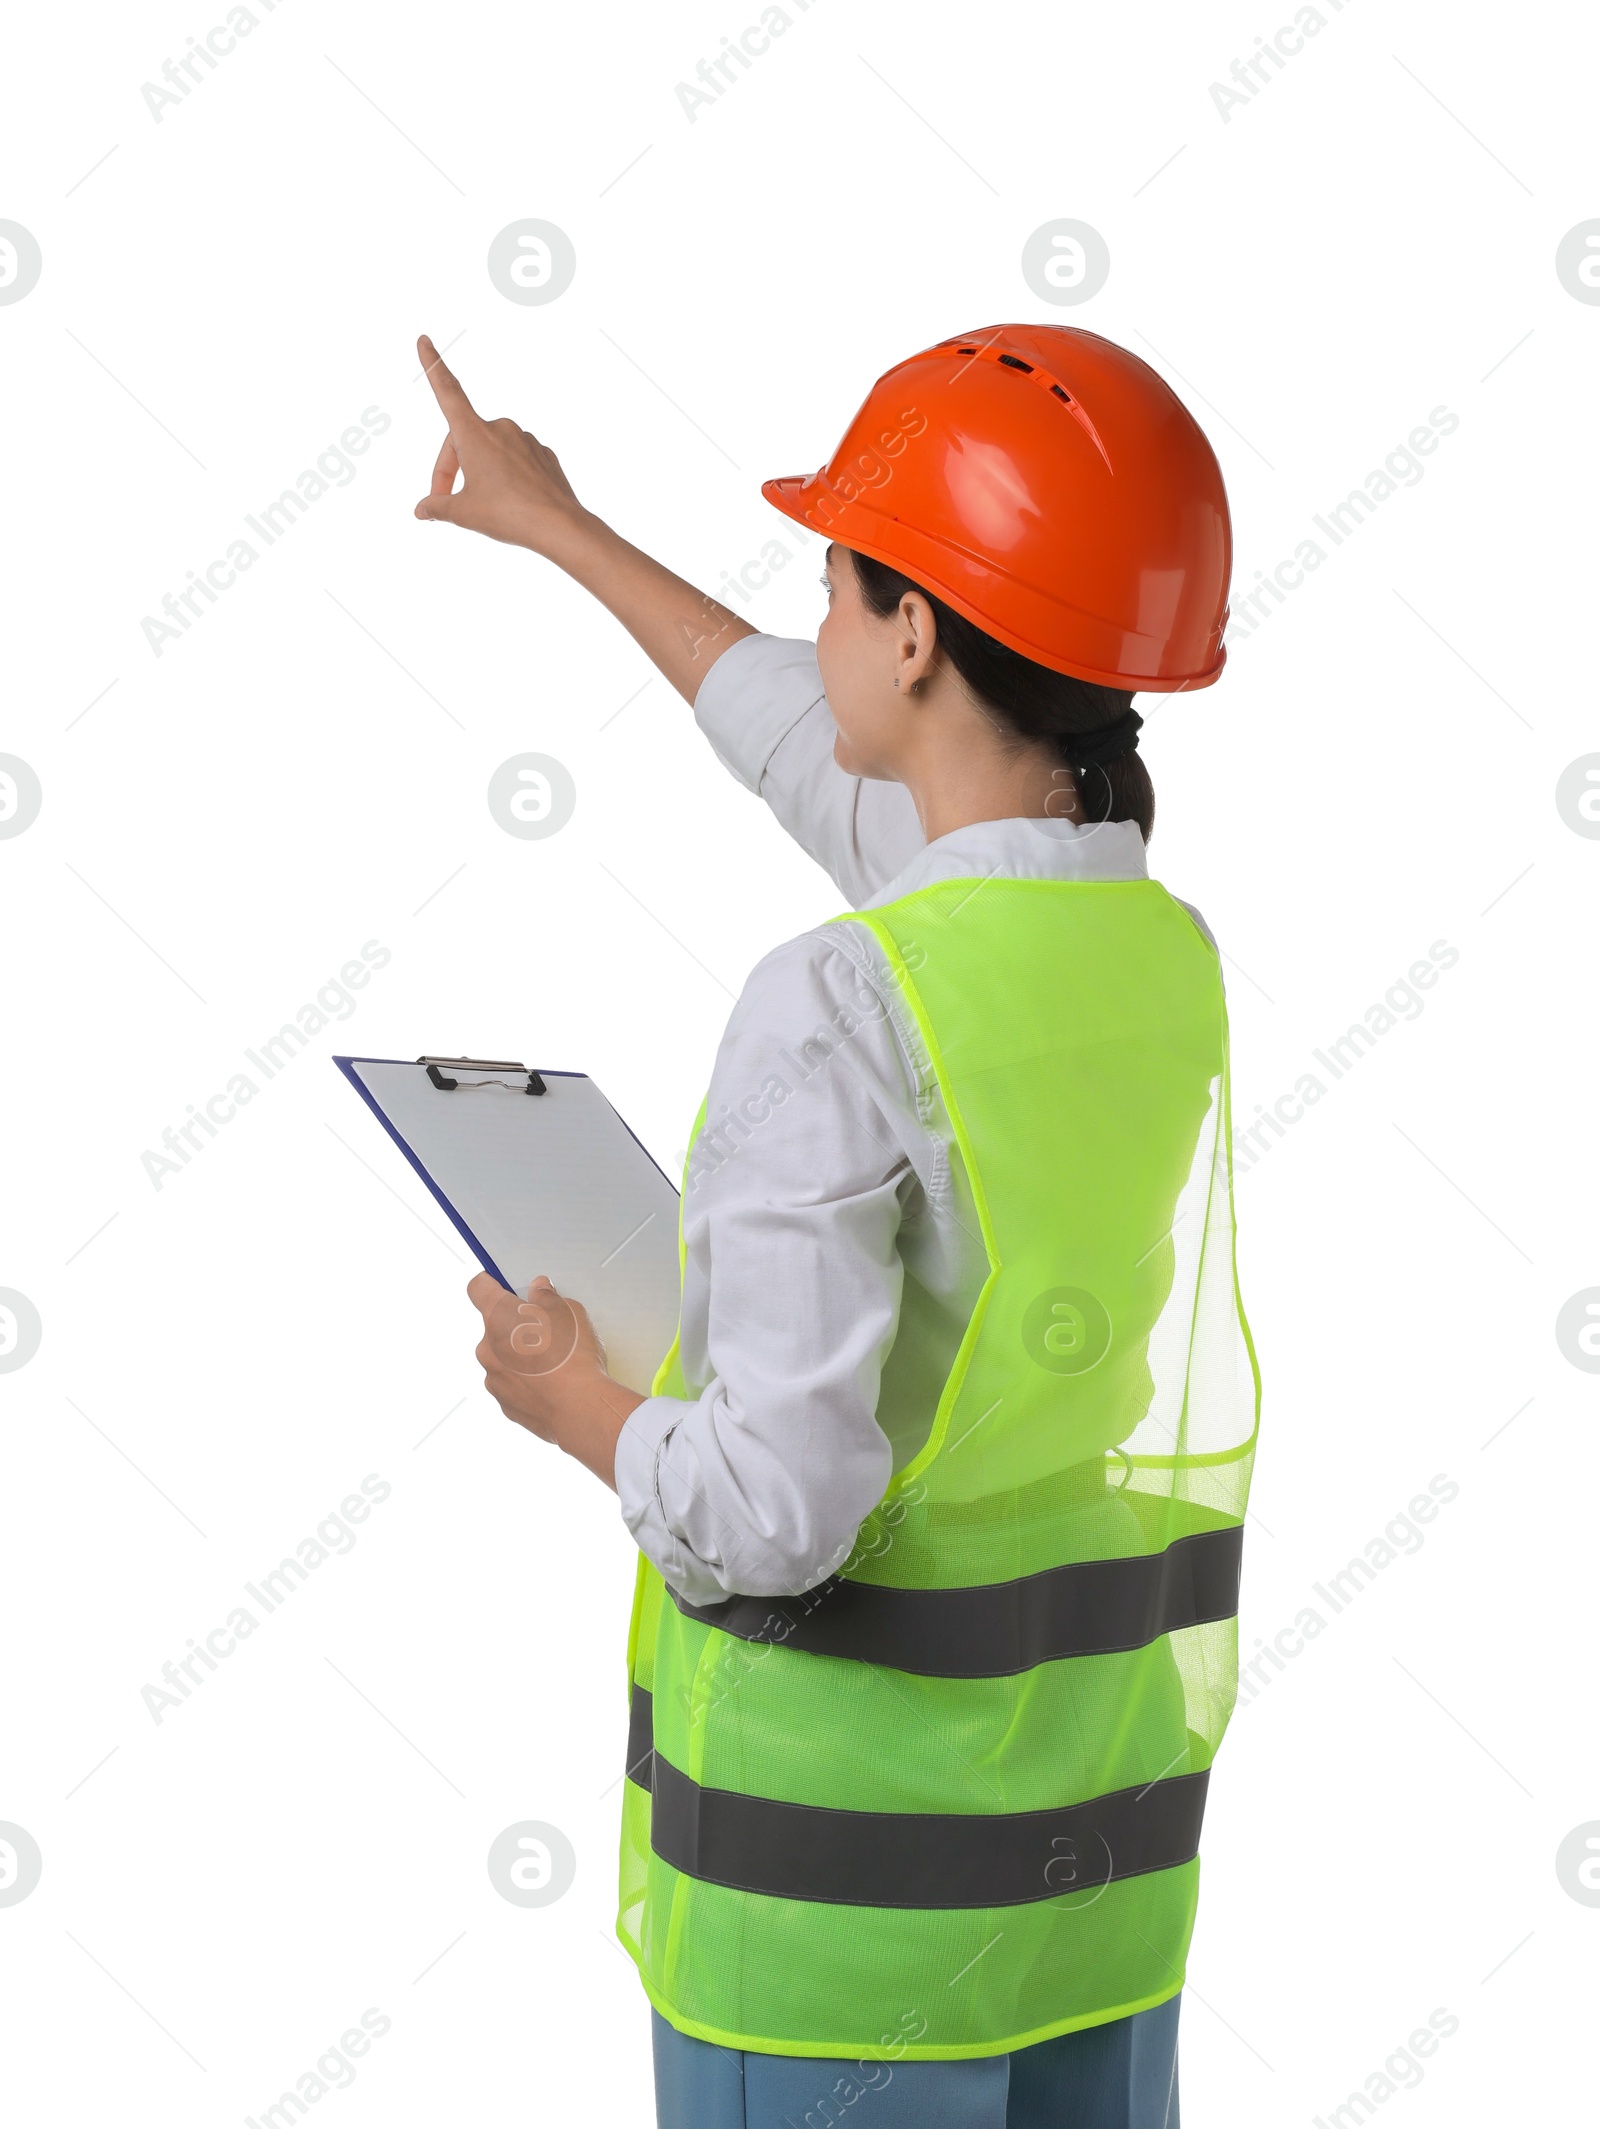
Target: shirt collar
{"type": "Point", "coordinates": [1023, 850]}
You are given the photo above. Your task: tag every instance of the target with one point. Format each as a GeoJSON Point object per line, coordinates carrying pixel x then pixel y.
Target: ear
{"type": "Point", "coordinates": [919, 640]}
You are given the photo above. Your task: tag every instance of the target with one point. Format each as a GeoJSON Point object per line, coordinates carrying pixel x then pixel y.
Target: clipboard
{"type": "Point", "coordinates": [538, 1173]}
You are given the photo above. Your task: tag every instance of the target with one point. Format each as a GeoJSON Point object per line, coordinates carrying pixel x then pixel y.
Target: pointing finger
{"type": "Point", "coordinates": [456, 407]}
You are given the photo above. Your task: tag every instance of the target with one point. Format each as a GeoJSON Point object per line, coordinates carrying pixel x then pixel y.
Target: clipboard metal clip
{"type": "Point", "coordinates": [448, 1085]}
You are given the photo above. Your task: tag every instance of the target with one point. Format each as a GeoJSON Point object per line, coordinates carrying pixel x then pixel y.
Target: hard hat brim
{"type": "Point", "coordinates": [811, 501]}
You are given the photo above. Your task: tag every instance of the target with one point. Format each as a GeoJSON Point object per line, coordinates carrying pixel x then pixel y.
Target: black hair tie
{"type": "Point", "coordinates": [1091, 750]}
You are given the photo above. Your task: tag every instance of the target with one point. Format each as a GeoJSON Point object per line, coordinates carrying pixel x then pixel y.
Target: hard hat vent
{"type": "Point", "coordinates": [1011, 362]}
{"type": "Point", "coordinates": [985, 352]}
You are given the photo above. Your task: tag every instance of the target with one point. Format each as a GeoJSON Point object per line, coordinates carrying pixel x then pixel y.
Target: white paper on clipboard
{"type": "Point", "coordinates": [553, 1183]}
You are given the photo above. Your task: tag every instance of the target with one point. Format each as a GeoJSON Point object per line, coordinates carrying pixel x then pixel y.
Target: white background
{"type": "Point", "coordinates": [1370, 236]}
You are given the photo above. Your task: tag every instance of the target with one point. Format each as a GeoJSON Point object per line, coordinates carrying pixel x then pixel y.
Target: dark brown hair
{"type": "Point", "coordinates": [1031, 701]}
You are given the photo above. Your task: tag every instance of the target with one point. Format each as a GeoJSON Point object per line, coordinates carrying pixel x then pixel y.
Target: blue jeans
{"type": "Point", "coordinates": [1118, 2076]}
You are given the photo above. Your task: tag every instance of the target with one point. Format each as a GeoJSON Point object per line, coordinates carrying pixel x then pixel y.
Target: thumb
{"type": "Point", "coordinates": [485, 1294]}
{"type": "Point", "coordinates": [445, 508]}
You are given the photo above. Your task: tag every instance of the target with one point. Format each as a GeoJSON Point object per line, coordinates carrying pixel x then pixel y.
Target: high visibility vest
{"type": "Point", "coordinates": [948, 1802]}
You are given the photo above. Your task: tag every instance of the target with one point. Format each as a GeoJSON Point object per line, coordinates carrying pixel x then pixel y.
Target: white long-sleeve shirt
{"type": "Point", "coordinates": [826, 1197]}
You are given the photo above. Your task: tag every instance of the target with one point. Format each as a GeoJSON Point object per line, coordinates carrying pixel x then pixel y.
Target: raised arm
{"type": "Point", "coordinates": [513, 489]}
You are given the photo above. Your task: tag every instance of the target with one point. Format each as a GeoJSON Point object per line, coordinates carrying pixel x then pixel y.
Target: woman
{"type": "Point", "coordinates": [939, 1494]}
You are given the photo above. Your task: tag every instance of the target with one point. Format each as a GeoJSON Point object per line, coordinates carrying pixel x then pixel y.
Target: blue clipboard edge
{"type": "Point", "coordinates": [347, 1067]}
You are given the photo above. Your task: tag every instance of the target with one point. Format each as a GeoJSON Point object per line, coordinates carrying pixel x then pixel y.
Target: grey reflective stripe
{"type": "Point", "coordinates": [641, 1736]}
{"type": "Point", "coordinates": [910, 1859]}
{"type": "Point", "coordinates": [998, 1629]}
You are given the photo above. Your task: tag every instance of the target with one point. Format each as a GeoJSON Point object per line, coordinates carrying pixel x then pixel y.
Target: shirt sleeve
{"type": "Point", "coordinates": [764, 711]}
{"type": "Point", "coordinates": [758, 1481]}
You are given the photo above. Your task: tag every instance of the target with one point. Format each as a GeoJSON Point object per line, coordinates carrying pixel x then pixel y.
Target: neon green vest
{"type": "Point", "coordinates": [948, 1803]}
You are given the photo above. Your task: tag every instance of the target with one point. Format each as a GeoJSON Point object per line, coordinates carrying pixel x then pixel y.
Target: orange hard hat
{"type": "Point", "coordinates": [1049, 486]}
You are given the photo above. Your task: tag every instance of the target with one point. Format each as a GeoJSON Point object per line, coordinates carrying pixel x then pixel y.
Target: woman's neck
{"type": "Point", "coordinates": [997, 785]}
